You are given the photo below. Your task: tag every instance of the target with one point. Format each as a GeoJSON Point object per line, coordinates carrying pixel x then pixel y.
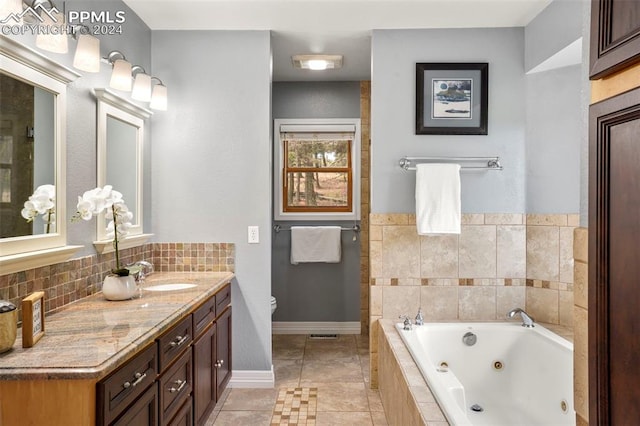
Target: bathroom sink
{"type": "Point", "coordinates": [170, 287]}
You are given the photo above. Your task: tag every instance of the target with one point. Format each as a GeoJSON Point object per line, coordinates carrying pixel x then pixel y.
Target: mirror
{"type": "Point", "coordinates": [32, 153]}
{"type": "Point", "coordinates": [120, 158]}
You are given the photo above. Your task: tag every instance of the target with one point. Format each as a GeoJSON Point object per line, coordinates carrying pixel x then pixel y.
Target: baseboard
{"type": "Point", "coordinates": [319, 327]}
{"type": "Point", "coordinates": [252, 379]}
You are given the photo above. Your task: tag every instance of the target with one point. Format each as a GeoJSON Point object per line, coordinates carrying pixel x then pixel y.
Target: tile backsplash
{"type": "Point", "coordinates": [69, 281]}
{"type": "Point", "coordinates": [497, 263]}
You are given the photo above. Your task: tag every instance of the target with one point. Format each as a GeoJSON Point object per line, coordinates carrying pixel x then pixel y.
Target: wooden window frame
{"type": "Point", "coordinates": [317, 209]}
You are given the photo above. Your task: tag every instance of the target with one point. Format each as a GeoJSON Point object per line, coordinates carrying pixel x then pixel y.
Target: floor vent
{"type": "Point", "coordinates": [323, 336]}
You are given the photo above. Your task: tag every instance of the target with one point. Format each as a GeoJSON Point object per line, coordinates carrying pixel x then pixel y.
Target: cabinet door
{"type": "Point", "coordinates": [614, 260]}
{"type": "Point", "coordinates": [143, 412]}
{"type": "Point", "coordinates": [204, 379]}
{"type": "Point", "coordinates": [184, 417]}
{"type": "Point", "coordinates": [615, 36]}
{"type": "Point", "coordinates": [223, 354]}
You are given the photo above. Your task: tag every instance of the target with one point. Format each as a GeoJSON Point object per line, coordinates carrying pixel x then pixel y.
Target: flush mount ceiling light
{"type": "Point", "coordinates": [317, 62]}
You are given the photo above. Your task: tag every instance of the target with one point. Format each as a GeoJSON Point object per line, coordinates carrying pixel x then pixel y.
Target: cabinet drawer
{"type": "Point", "coordinates": [143, 412]}
{"type": "Point", "coordinates": [174, 341]}
{"type": "Point", "coordinates": [175, 386]}
{"type": "Point", "coordinates": [184, 416]}
{"type": "Point", "coordinates": [223, 299]}
{"type": "Point", "coordinates": [204, 315]}
{"type": "Point", "coordinates": [122, 387]}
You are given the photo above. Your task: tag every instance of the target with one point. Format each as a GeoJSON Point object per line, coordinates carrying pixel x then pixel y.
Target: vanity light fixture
{"type": "Point", "coordinates": [159, 96]}
{"type": "Point", "coordinates": [11, 7]}
{"type": "Point", "coordinates": [317, 62]}
{"type": "Point", "coordinates": [87, 56]}
{"type": "Point", "coordinates": [141, 84]}
{"type": "Point", "coordinates": [121, 73]}
{"type": "Point", "coordinates": [52, 37]}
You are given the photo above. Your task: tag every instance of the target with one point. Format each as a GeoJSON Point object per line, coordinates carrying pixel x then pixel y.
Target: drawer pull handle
{"type": "Point", "coordinates": [181, 384]}
{"type": "Point", "coordinates": [179, 340]}
{"type": "Point", "coordinates": [139, 377]}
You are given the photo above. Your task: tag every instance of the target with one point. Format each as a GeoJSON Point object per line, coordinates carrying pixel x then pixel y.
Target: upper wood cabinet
{"type": "Point", "coordinates": [615, 36]}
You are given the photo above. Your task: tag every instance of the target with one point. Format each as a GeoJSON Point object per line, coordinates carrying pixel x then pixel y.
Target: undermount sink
{"type": "Point", "coordinates": [170, 287]}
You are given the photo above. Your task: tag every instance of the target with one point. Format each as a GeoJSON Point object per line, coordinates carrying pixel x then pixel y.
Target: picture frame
{"type": "Point", "coordinates": [32, 319]}
{"type": "Point", "coordinates": [452, 98]}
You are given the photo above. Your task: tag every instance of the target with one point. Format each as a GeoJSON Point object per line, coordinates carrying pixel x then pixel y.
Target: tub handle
{"type": "Point", "coordinates": [407, 322]}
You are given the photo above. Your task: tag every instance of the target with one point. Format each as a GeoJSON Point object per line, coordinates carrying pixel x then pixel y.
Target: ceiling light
{"type": "Point", "coordinates": [141, 85]}
{"type": "Point", "coordinates": [317, 62]}
{"type": "Point", "coordinates": [87, 57]}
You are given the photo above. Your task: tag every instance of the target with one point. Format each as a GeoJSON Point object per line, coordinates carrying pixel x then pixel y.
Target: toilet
{"type": "Point", "coordinates": [274, 305]}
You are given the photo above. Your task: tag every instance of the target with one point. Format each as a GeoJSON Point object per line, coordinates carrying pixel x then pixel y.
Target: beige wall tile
{"type": "Point", "coordinates": [439, 256]}
{"type": "Point", "coordinates": [511, 251]}
{"type": "Point", "coordinates": [477, 303]}
{"type": "Point", "coordinates": [565, 308]}
{"type": "Point", "coordinates": [400, 300]}
{"type": "Point", "coordinates": [472, 219]}
{"type": "Point", "coordinates": [580, 284]}
{"type": "Point", "coordinates": [543, 253]}
{"type": "Point", "coordinates": [400, 252]}
{"type": "Point", "coordinates": [573, 220]}
{"type": "Point", "coordinates": [542, 304]}
{"type": "Point", "coordinates": [375, 299]}
{"type": "Point", "coordinates": [566, 254]}
{"type": "Point", "coordinates": [478, 252]}
{"type": "Point", "coordinates": [547, 219]}
{"type": "Point", "coordinates": [439, 303]}
{"type": "Point", "coordinates": [375, 259]}
{"type": "Point", "coordinates": [580, 362]}
{"type": "Point", "coordinates": [375, 233]}
{"type": "Point", "coordinates": [389, 219]}
{"type": "Point", "coordinates": [580, 245]}
{"type": "Point", "coordinates": [508, 298]}
{"type": "Point", "coordinates": [503, 219]}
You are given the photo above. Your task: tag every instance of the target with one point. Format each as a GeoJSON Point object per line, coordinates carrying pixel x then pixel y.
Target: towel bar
{"type": "Point", "coordinates": [493, 163]}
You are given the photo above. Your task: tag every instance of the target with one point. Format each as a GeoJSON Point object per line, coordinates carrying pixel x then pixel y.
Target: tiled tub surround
{"type": "Point", "coordinates": [75, 279]}
{"type": "Point", "coordinates": [498, 262]}
{"type": "Point", "coordinates": [580, 327]}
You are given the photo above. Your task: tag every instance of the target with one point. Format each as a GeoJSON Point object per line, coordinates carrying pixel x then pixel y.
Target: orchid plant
{"type": "Point", "coordinates": [42, 201]}
{"type": "Point", "coordinates": [94, 202]}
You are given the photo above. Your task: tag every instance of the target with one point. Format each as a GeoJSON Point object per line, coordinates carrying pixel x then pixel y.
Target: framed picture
{"type": "Point", "coordinates": [452, 98]}
{"type": "Point", "coordinates": [32, 319]}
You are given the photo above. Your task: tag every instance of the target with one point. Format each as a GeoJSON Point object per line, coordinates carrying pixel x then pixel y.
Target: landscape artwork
{"type": "Point", "coordinates": [451, 98]}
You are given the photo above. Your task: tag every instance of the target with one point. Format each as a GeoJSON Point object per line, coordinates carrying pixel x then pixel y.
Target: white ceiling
{"type": "Point", "coordinates": [330, 26]}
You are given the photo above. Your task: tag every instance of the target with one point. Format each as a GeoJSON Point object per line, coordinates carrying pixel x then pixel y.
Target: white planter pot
{"type": "Point", "coordinates": [116, 287]}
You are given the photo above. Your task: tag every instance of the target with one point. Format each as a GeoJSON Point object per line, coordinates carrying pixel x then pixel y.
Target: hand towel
{"type": "Point", "coordinates": [315, 244]}
{"type": "Point", "coordinates": [438, 198]}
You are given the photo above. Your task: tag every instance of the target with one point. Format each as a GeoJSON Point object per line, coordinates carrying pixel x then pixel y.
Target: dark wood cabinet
{"type": "Point", "coordinates": [614, 260]}
{"type": "Point", "coordinates": [204, 388]}
{"type": "Point", "coordinates": [175, 386]}
{"type": "Point", "coordinates": [615, 36]}
{"type": "Point", "coordinates": [223, 350]}
{"type": "Point", "coordinates": [143, 412]}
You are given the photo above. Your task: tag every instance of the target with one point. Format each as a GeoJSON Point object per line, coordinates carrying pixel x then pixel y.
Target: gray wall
{"type": "Point", "coordinates": [135, 43]}
{"type": "Point", "coordinates": [211, 164]}
{"type": "Point", "coordinates": [315, 291]}
{"type": "Point", "coordinates": [394, 54]}
{"type": "Point", "coordinates": [553, 140]}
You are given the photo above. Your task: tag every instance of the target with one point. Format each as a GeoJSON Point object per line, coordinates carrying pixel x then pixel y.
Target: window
{"type": "Point", "coordinates": [317, 177]}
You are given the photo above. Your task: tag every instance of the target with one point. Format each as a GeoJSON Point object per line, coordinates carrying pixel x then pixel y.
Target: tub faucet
{"type": "Point", "coordinates": [407, 322]}
{"type": "Point", "coordinates": [419, 318]}
{"type": "Point", "coordinates": [527, 321]}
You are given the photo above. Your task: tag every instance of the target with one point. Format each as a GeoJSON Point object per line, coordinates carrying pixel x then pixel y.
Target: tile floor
{"type": "Point", "coordinates": [318, 382]}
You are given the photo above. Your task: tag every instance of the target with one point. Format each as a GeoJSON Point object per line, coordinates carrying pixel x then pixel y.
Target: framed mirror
{"type": "Point", "coordinates": [120, 161]}
{"type": "Point", "coordinates": [32, 157]}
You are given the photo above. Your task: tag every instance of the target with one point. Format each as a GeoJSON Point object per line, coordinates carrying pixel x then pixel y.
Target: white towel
{"type": "Point", "coordinates": [438, 198]}
{"type": "Point", "coordinates": [315, 244]}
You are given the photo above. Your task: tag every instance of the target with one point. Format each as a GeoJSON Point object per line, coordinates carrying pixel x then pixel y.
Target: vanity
{"type": "Point", "coordinates": [162, 359]}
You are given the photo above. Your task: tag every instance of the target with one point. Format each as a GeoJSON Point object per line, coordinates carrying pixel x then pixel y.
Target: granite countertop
{"type": "Point", "coordinates": [93, 336]}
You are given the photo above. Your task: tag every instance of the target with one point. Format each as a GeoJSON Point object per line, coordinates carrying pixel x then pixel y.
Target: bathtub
{"type": "Point", "coordinates": [511, 375]}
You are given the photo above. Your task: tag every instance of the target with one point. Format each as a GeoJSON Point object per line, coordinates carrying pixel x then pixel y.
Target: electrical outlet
{"type": "Point", "coordinates": [253, 235]}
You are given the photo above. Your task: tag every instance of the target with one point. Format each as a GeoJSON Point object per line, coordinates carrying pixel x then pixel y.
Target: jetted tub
{"type": "Point", "coordinates": [511, 375]}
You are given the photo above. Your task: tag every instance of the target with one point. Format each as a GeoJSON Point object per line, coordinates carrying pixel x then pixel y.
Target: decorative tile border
{"type": "Point", "coordinates": [295, 406]}
{"type": "Point", "coordinates": [66, 282]}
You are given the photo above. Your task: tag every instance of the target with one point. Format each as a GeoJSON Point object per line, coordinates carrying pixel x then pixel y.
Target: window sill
{"type": "Point", "coordinates": [35, 259]}
{"type": "Point", "coordinates": [106, 246]}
